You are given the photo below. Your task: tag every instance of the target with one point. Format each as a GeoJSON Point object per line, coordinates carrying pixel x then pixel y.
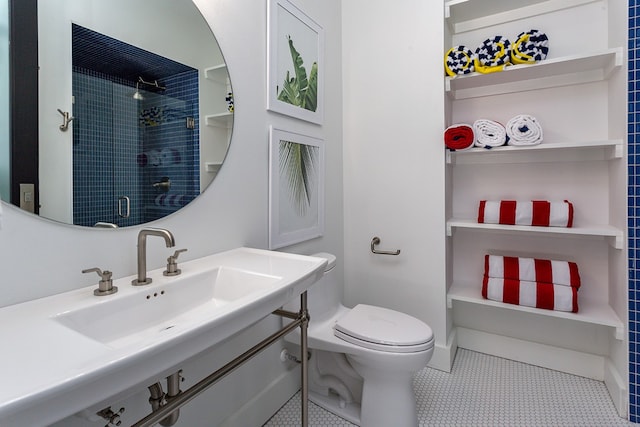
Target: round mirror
{"type": "Point", "coordinates": [134, 110]}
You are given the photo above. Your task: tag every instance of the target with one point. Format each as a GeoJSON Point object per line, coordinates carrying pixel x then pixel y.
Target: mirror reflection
{"type": "Point", "coordinates": [135, 110]}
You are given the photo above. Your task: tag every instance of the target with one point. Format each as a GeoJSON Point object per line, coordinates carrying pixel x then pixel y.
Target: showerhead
{"type": "Point", "coordinates": [137, 95]}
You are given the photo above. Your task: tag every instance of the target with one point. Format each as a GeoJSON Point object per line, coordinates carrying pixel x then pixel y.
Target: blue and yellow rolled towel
{"type": "Point", "coordinates": [530, 47]}
{"type": "Point", "coordinates": [492, 55]}
{"type": "Point", "coordinates": [458, 61]}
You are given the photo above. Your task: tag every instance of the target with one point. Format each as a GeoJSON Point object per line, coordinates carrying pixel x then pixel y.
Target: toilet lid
{"type": "Point", "coordinates": [382, 329]}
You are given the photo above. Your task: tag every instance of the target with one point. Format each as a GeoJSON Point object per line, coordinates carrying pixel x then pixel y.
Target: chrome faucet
{"type": "Point", "coordinates": [142, 252]}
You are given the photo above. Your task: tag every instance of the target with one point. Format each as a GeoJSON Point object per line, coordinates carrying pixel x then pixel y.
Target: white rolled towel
{"type": "Point", "coordinates": [524, 130]}
{"type": "Point", "coordinates": [489, 133]}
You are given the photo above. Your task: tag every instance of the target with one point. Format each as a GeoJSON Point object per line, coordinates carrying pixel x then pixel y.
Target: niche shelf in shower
{"type": "Point", "coordinates": [217, 73]}
{"type": "Point", "coordinates": [223, 120]}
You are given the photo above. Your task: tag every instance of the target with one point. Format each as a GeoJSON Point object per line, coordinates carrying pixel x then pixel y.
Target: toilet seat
{"type": "Point", "coordinates": [381, 329]}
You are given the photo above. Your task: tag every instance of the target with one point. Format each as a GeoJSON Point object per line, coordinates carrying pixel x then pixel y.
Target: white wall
{"type": "Point", "coordinates": [40, 258]}
{"type": "Point", "coordinates": [394, 159]}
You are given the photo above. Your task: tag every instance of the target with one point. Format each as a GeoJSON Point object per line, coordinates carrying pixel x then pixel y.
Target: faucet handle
{"type": "Point", "coordinates": [172, 264]}
{"type": "Point", "coordinates": [105, 286]}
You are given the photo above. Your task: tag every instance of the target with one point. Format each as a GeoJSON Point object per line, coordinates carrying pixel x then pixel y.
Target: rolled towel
{"type": "Point", "coordinates": [489, 133]}
{"type": "Point", "coordinates": [492, 55]}
{"type": "Point", "coordinates": [531, 294]}
{"type": "Point", "coordinates": [563, 273]}
{"type": "Point", "coordinates": [530, 47]}
{"type": "Point", "coordinates": [458, 61]}
{"type": "Point", "coordinates": [524, 130]}
{"type": "Point", "coordinates": [539, 213]}
{"type": "Point", "coordinates": [458, 137]}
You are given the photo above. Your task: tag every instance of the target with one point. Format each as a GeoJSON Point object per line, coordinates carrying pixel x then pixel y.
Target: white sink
{"type": "Point", "coordinates": [184, 300]}
{"type": "Point", "coordinates": [71, 351]}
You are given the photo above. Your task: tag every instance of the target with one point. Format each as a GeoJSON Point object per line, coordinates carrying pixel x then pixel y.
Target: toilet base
{"type": "Point", "coordinates": [331, 403]}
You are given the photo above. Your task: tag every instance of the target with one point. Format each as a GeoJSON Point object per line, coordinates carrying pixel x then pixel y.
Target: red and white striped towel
{"type": "Point", "coordinates": [531, 294]}
{"type": "Point", "coordinates": [563, 273]}
{"type": "Point", "coordinates": [536, 212]}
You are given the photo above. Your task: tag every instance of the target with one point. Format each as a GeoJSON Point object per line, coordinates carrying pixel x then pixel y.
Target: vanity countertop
{"type": "Point", "coordinates": [53, 371]}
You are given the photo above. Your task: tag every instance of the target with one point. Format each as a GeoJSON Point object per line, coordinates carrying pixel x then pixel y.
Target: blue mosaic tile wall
{"type": "Point", "coordinates": [123, 146]}
{"type": "Point", "coordinates": [634, 209]}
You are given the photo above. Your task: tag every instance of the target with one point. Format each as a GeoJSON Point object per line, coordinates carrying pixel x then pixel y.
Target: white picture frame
{"type": "Point", "coordinates": [296, 188]}
{"type": "Point", "coordinates": [288, 23]}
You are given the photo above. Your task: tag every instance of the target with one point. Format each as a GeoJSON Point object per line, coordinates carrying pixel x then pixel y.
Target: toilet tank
{"type": "Point", "coordinates": [323, 297]}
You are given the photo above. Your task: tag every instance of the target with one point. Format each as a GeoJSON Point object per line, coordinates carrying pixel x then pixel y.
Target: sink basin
{"type": "Point", "coordinates": [120, 321]}
{"type": "Point", "coordinates": [73, 351]}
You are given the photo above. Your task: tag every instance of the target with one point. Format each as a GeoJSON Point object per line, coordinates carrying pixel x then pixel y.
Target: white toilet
{"type": "Point", "coordinates": [362, 359]}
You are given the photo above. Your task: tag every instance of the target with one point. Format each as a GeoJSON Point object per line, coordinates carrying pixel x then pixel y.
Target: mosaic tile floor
{"type": "Point", "coordinates": [484, 390]}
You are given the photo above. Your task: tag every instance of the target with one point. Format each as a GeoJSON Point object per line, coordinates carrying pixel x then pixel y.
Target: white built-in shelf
{"type": "Point", "coordinates": [589, 311]}
{"type": "Point", "coordinates": [469, 15]}
{"type": "Point", "coordinates": [223, 120]}
{"type": "Point", "coordinates": [564, 71]}
{"type": "Point", "coordinates": [613, 235]}
{"type": "Point", "coordinates": [217, 73]}
{"type": "Point", "coordinates": [212, 167]}
{"type": "Point", "coordinates": [518, 154]}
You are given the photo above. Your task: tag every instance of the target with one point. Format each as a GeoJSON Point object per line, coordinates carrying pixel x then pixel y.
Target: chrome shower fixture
{"type": "Point", "coordinates": [137, 95]}
{"type": "Point", "coordinates": [153, 84]}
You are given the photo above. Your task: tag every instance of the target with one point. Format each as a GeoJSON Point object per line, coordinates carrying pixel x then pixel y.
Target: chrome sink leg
{"type": "Point", "coordinates": [304, 365]}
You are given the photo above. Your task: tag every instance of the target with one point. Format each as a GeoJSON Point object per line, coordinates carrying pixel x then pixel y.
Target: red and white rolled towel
{"type": "Point", "coordinates": [540, 213]}
{"type": "Point", "coordinates": [459, 137]}
{"type": "Point", "coordinates": [556, 272]}
{"type": "Point", "coordinates": [531, 294]}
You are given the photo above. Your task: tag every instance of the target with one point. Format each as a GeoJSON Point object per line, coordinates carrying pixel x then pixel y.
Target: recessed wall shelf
{"type": "Point", "coordinates": [223, 120]}
{"type": "Point", "coordinates": [469, 15]}
{"type": "Point", "coordinates": [612, 234]}
{"type": "Point", "coordinates": [567, 70]}
{"type": "Point", "coordinates": [588, 312]}
{"type": "Point", "coordinates": [217, 73]}
{"type": "Point", "coordinates": [613, 150]}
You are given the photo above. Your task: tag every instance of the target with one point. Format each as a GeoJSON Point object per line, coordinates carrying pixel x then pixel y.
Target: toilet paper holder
{"type": "Point", "coordinates": [376, 241]}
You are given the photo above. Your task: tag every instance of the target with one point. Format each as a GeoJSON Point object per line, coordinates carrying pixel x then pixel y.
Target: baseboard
{"type": "Point", "coordinates": [617, 388]}
{"type": "Point", "coordinates": [556, 358]}
{"type": "Point", "coordinates": [258, 410]}
{"type": "Point", "coordinates": [443, 355]}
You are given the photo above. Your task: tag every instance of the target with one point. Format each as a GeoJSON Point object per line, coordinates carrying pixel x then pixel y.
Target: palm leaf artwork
{"type": "Point", "coordinates": [300, 90]}
{"type": "Point", "coordinates": [298, 165]}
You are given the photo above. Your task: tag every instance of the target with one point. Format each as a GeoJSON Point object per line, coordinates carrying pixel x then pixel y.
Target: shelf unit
{"type": "Point", "coordinates": [224, 120]}
{"type": "Point", "coordinates": [613, 149]}
{"type": "Point", "coordinates": [218, 74]}
{"type": "Point", "coordinates": [593, 312]}
{"type": "Point", "coordinates": [568, 70]}
{"type": "Point", "coordinates": [212, 167]}
{"type": "Point", "coordinates": [613, 235]}
{"type": "Point", "coordinates": [476, 174]}
{"type": "Point", "coordinates": [469, 15]}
